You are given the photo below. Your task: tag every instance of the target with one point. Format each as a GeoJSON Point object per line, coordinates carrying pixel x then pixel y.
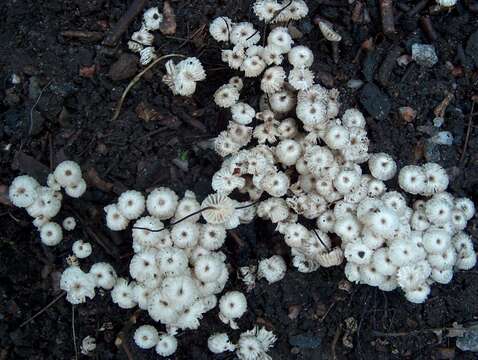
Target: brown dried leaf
{"type": "Point", "coordinates": [146, 112]}
{"type": "Point", "coordinates": [88, 71]}
{"type": "Point", "coordinates": [168, 26]}
{"type": "Point", "coordinates": [94, 180]}
{"type": "Point", "coordinates": [4, 200]}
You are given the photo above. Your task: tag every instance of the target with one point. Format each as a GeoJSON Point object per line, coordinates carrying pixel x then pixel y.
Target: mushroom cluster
{"type": "Point", "coordinates": [43, 203]}
{"type": "Point", "coordinates": [177, 268]}
{"type": "Point", "coordinates": [299, 158]}
{"type": "Point", "coordinates": [142, 40]}
{"type": "Point", "coordinates": [252, 344]}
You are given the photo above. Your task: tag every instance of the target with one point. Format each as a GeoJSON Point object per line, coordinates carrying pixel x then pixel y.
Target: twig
{"type": "Point", "coordinates": [119, 341]}
{"type": "Point", "coordinates": [35, 105]}
{"type": "Point", "coordinates": [110, 248]}
{"type": "Point", "coordinates": [454, 331]}
{"type": "Point", "coordinates": [327, 312]}
{"type": "Point", "coordinates": [335, 52]}
{"type": "Point", "coordinates": [136, 79]}
{"type": "Point", "coordinates": [190, 38]}
{"type": "Point", "coordinates": [190, 215]}
{"type": "Point", "coordinates": [122, 25]}
{"type": "Point", "coordinates": [175, 222]}
{"type": "Point", "coordinates": [73, 330]}
{"type": "Point", "coordinates": [87, 36]}
{"type": "Point", "coordinates": [280, 10]}
{"type": "Point", "coordinates": [418, 7]}
{"type": "Point", "coordinates": [468, 133]}
{"type": "Point", "coordinates": [428, 28]}
{"type": "Point", "coordinates": [388, 21]}
{"type": "Point", "coordinates": [49, 305]}
{"type": "Point", "coordinates": [318, 237]}
{"type": "Point", "coordinates": [335, 340]}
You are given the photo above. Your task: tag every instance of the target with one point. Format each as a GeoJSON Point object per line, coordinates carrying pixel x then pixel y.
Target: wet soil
{"type": "Point", "coordinates": [61, 108]}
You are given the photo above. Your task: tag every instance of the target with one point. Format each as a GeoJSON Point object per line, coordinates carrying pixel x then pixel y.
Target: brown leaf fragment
{"type": "Point", "coordinates": [168, 26]}
{"type": "Point", "coordinates": [146, 112]}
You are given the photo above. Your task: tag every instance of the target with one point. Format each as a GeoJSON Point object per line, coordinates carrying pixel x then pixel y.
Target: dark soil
{"type": "Point", "coordinates": [67, 83]}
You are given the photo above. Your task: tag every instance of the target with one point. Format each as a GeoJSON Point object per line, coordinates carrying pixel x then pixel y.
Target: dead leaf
{"type": "Point", "coordinates": [88, 71]}
{"type": "Point", "coordinates": [168, 26]}
{"type": "Point", "coordinates": [145, 112]}
{"type": "Point", "coordinates": [4, 200]}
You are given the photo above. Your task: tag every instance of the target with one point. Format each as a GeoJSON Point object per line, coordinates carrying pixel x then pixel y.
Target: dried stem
{"type": "Point", "coordinates": [30, 129]}
{"type": "Point", "coordinates": [318, 237]}
{"type": "Point", "coordinates": [249, 205]}
{"type": "Point", "coordinates": [49, 305]}
{"type": "Point", "coordinates": [190, 215]}
{"type": "Point", "coordinates": [73, 330]}
{"type": "Point", "coordinates": [468, 133]}
{"type": "Point", "coordinates": [122, 25]}
{"type": "Point", "coordinates": [174, 223]}
{"type": "Point", "coordinates": [136, 79]}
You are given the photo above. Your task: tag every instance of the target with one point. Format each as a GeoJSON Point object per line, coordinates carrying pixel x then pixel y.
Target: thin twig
{"type": "Point", "coordinates": [49, 305]}
{"type": "Point", "coordinates": [173, 223]}
{"type": "Point", "coordinates": [335, 340]}
{"type": "Point", "coordinates": [35, 105]}
{"type": "Point", "coordinates": [318, 237]}
{"type": "Point", "coordinates": [468, 133]}
{"type": "Point", "coordinates": [73, 330]}
{"type": "Point", "coordinates": [419, 331]}
{"type": "Point", "coordinates": [280, 10]}
{"type": "Point", "coordinates": [122, 25]}
{"type": "Point", "coordinates": [136, 79]}
{"type": "Point", "coordinates": [120, 338]}
{"type": "Point", "coordinates": [327, 312]}
{"type": "Point", "coordinates": [249, 205]}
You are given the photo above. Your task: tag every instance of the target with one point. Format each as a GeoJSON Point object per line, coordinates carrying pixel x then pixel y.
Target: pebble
{"type": "Point", "coordinates": [424, 55]}
{"type": "Point", "coordinates": [443, 138]}
{"type": "Point", "coordinates": [15, 79]}
{"type": "Point", "coordinates": [438, 121]}
{"type": "Point", "coordinates": [472, 47]}
{"type": "Point", "coordinates": [407, 114]}
{"type": "Point", "coordinates": [376, 102]}
{"type": "Point", "coordinates": [355, 84]}
{"type": "Point", "coordinates": [469, 341]}
{"type": "Point", "coordinates": [432, 153]}
{"type": "Point", "coordinates": [124, 68]}
{"type": "Point", "coordinates": [305, 341]}
{"type": "Point", "coordinates": [12, 122]}
{"type": "Point", "coordinates": [34, 88]}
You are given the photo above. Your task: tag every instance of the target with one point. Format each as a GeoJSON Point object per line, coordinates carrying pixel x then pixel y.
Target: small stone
{"type": "Point", "coordinates": [11, 97]}
{"type": "Point", "coordinates": [443, 138]}
{"type": "Point", "coordinates": [294, 311]}
{"type": "Point", "coordinates": [305, 341]}
{"type": "Point", "coordinates": [354, 84]}
{"type": "Point", "coordinates": [431, 152]}
{"type": "Point", "coordinates": [404, 60]}
{"type": "Point", "coordinates": [424, 55]}
{"type": "Point", "coordinates": [472, 47]}
{"type": "Point", "coordinates": [34, 88]}
{"type": "Point", "coordinates": [407, 114]}
{"type": "Point", "coordinates": [124, 68]}
{"type": "Point", "coordinates": [469, 341]}
{"type": "Point", "coordinates": [15, 79]}
{"type": "Point", "coordinates": [375, 101]}
{"type": "Point", "coordinates": [88, 71]}
{"type": "Point", "coordinates": [438, 121]}
{"type": "Point", "coordinates": [444, 353]}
